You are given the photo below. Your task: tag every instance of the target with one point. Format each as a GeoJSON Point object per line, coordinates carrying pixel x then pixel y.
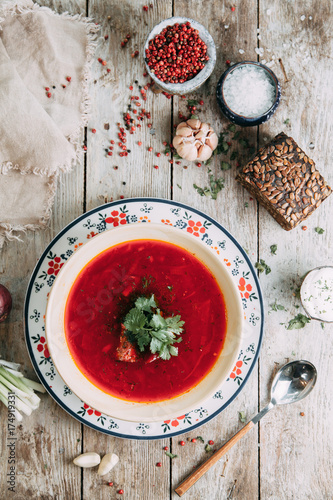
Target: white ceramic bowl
{"type": "Point", "coordinates": [201, 77]}
{"type": "Point", "coordinates": [89, 393]}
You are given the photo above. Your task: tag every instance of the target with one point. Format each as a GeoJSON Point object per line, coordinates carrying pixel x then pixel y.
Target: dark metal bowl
{"type": "Point", "coordinates": [241, 120]}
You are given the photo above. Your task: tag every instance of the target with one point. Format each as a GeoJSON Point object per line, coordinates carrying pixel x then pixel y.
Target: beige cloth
{"type": "Point", "coordinates": [39, 134]}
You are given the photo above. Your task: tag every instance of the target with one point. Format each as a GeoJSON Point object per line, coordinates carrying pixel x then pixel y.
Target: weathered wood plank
{"type": "Point", "coordinates": [229, 476]}
{"type": "Point", "coordinates": [48, 440]}
{"type": "Point", "coordinates": [295, 450]}
{"type": "Point", "coordinates": [136, 472]}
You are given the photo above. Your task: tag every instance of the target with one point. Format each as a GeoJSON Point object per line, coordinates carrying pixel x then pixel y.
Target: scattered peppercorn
{"type": "Point", "coordinates": [182, 443]}
{"type": "Point", "coordinates": [193, 440]}
{"type": "Point", "coordinates": [47, 89]}
{"type": "Point", "coordinates": [198, 164]}
{"type": "Point", "coordinates": [166, 448]}
{"type": "Point", "coordinates": [139, 143]}
{"type": "Point", "coordinates": [150, 148]}
{"type": "Point", "coordinates": [93, 130]}
{"type": "Point", "coordinates": [156, 166]}
{"type": "Point", "coordinates": [68, 78]}
{"type": "Point", "coordinates": [211, 442]}
{"type": "Point", "coordinates": [159, 464]}
{"type": "Point", "coordinates": [49, 94]}
{"type": "Point", "coordinates": [304, 228]}
{"type": "Point", "coordinates": [104, 63]}
{"type": "Point", "coordinates": [110, 484]}
{"type": "Point", "coordinates": [121, 492]}
{"type": "Point", "coordinates": [201, 102]}
{"type": "Point", "coordinates": [227, 61]}
{"type": "Point", "coordinates": [158, 154]}
{"type": "Point", "coordinates": [145, 8]}
{"type": "Point", "coordinates": [302, 413]}
{"type": "Point", "coordinates": [233, 9]}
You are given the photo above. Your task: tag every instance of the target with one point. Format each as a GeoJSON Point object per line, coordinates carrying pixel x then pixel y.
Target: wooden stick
{"type": "Point", "coordinates": [193, 478]}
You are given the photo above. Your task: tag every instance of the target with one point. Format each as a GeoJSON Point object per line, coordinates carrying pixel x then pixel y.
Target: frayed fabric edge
{"type": "Point", "coordinates": [11, 232]}
{"type": "Point", "coordinates": [92, 30]}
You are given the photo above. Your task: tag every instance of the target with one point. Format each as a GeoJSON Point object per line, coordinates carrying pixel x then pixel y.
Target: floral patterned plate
{"type": "Point", "coordinates": [134, 211]}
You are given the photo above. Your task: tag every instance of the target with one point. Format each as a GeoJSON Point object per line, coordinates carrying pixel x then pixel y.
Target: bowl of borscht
{"type": "Point", "coordinates": [143, 322]}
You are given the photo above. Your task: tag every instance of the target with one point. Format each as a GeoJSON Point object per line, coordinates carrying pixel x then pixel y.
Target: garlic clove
{"type": "Point", "coordinates": [108, 462]}
{"type": "Point", "coordinates": [194, 123]}
{"type": "Point", "coordinates": [178, 139]}
{"type": "Point", "coordinates": [205, 127]}
{"type": "Point", "coordinates": [181, 125]}
{"type": "Point", "coordinates": [212, 141]}
{"type": "Point", "coordinates": [187, 151]}
{"type": "Point", "coordinates": [90, 459]}
{"type": "Point", "coordinates": [204, 152]}
{"type": "Point", "coordinates": [185, 131]}
{"type": "Point", "coordinates": [200, 135]}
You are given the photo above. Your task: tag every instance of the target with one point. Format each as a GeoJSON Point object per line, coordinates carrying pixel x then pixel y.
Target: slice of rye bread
{"type": "Point", "coordinates": [285, 181]}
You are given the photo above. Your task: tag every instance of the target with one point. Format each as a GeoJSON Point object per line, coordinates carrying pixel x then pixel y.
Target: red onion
{"type": "Point", "coordinates": [5, 303]}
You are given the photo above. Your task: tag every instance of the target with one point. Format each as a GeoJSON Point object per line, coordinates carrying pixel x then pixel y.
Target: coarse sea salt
{"type": "Point", "coordinates": [249, 91]}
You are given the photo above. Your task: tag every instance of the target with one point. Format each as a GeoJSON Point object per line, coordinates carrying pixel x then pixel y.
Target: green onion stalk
{"type": "Point", "coordinates": [13, 381]}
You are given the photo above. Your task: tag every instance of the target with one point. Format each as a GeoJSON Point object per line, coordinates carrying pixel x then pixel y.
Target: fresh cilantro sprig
{"type": "Point", "coordinates": [215, 186]}
{"type": "Point", "coordinates": [145, 326]}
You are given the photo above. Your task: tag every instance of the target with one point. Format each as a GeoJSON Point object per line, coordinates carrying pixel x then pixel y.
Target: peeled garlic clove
{"type": "Point", "coordinates": [187, 151]}
{"type": "Point", "coordinates": [90, 459]}
{"type": "Point", "coordinates": [204, 152]}
{"type": "Point", "coordinates": [212, 141]}
{"type": "Point", "coordinates": [185, 131]}
{"type": "Point", "coordinates": [178, 139]}
{"type": "Point", "coordinates": [181, 125]}
{"type": "Point", "coordinates": [194, 123]}
{"type": "Point", "coordinates": [108, 462]}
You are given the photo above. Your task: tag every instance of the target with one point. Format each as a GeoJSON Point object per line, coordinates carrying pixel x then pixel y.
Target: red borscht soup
{"type": "Point", "coordinates": [106, 290]}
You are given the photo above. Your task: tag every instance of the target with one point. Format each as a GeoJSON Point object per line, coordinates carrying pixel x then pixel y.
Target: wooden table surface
{"type": "Point", "coordinates": [287, 456]}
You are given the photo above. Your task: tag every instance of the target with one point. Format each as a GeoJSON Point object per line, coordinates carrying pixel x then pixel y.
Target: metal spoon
{"type": "Point", "coordinates": [291, 383]}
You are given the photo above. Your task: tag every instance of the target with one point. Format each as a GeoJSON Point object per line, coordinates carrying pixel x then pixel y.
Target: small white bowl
{"type": "Point", "coordinates": [203, 75]}
{"type": "Point", "coordinates": [89, 393]}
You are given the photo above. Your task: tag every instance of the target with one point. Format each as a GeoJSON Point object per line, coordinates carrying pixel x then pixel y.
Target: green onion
{"type": "Point", "coordinates": [13, 381]}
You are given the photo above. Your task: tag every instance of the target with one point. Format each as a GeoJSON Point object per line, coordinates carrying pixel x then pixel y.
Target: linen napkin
{"type": "Point", "coordinates": [44, 104]}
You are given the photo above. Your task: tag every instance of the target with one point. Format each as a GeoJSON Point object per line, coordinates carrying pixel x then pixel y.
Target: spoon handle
{"type": "Point", "coordinates": [193, 478]}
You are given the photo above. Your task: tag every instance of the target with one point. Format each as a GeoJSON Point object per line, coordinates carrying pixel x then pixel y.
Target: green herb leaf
{"type": "Point", "coordinates": [319, 230]}
{"type": "Point", "coordinates": [225, 165]}
{"type": "Point", "coordinates": [200, 438]}
{"type": "Point", "coordinates": [233, 155]}
{"type": "Point", "coordinates": [273, 249]}
{"type": "Point", "coordinates": [232, 127]}
{"type": "Point", "coordinates": [208, 448]}
{"type": "Point", "coordinates": [246, 205]}
{"type": "Point", "coordinates": [171, 455]}
{"type": "Point", "coordinates": [215, 186]}
{"type": "Point", "coordinates": [322, 325]}
{"type": "Point", "coordinates": [192, 102]}
{"type": "Point", "coordinates": [242, 416]}
{"type": "Point", "coordinates": [145, 326]}
{"type": "Point", "coordinates": [277, 307]}
{"type": "Point", "coordinates": [262, 266]}
{"type": "Point", "coordinates": [298, 322]}
{"type": "Point", "coordinates": [194, 117]}
{"type": "Point", "coordinates": [287, 121]}
{"type": "Point", "coordinates": [179, 186]}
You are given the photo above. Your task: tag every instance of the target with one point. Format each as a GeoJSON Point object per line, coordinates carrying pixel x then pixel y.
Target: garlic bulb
{"type": "Point", "coordinates": [195, 140]}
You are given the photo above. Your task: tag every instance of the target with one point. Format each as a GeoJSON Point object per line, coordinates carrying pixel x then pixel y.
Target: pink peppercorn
{"type": "Point", "coordinates": [121, 492]}
{"type": "Point", "coordinates": [211, 442]}
{"type": "Point", "coordinates": [159, 464]}
{"type": "Point", "coordinates": [182, 443]}
{"type": "Point", "coordinates": [93, 130]}
{"type": "Point", "coordinates": [68, 78]}
{"type": "Point", "coordinates": [49, 94]}
{"type": "Point", "coordinates": [166, 448]}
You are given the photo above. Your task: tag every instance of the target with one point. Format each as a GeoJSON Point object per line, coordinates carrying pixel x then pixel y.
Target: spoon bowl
{"type": "Point", "coordinates": [293, 382]}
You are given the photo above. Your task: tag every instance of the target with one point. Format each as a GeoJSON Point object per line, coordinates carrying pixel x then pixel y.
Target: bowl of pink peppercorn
{"type": "Point", "coordinates": [180, 55]}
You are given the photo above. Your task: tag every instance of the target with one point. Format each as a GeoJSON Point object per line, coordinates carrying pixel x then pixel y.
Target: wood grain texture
{"type": "Point", "coordinates": [289, 457]}
{"type": "Point", "coordinates": [295, 450]}
{"type": "Point", "coordinates": [241, 221]}
{"type": "Point", "coordinates": [48, 440]}
{"type": "Point", "coordinates": [136, 472]}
